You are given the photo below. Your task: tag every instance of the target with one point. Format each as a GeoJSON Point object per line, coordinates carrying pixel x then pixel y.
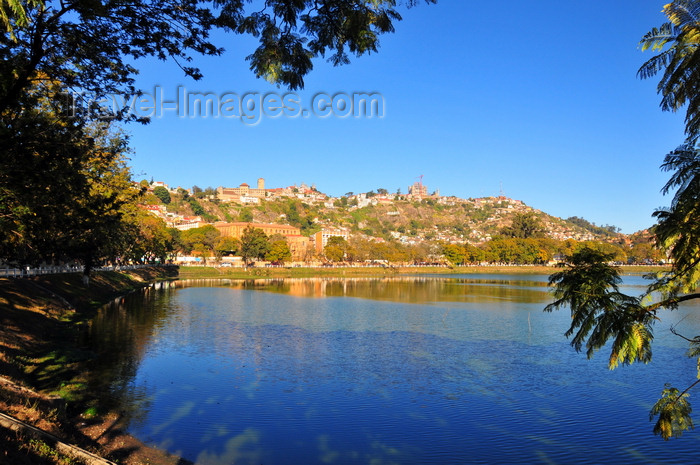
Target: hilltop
{"type": "Point", "coordinates": [408, 219]}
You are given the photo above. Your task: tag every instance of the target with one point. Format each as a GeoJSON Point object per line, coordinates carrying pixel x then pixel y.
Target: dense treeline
{"type": "Point", "coordinates": [605, 230]}
{"type": "Point", "coordinates": [531, 251]}
{"type": "Point", "coordinates": [66, 193]}
{"type": "Point", "coordinates": [65, 189]}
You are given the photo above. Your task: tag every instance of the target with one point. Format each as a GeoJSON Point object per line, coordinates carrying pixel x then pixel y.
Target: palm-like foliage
{"type": "Point", "coordinates": [673, 411]}
{"type": "Point", "coordinates": [12, 11]}
{"type": "Point", "coordinates": [589, 287]}
{"type": "Point", "coordinates": [599, 311]}
{"type": "Point", "coordinates": [680, 62]}
{"type": "Point", "coordinates": [678, 230]}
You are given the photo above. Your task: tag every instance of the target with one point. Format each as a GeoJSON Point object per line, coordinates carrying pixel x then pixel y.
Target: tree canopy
{"type": "Point", "coordinates": [162, 193]}
{"type": "Point", "coordinates": [336, 249]}
{"type": "Point", "coordinates": [524, 226]}
{"type": "Point", "coordinates": [90, 46]}
{"type": "Point", "coordinates": [677, 41]}
{"type": "Point", "coordinates": [65, 187]}
{"type": "Point", "coordinates": [254, 244]}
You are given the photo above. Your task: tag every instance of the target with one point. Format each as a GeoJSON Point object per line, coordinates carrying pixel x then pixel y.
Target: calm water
{"type": "Point", "coordinates": [428, 370]}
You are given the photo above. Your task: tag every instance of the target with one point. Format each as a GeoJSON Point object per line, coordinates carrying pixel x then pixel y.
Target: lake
{"type": "Point", "coordinates": [409, 370]}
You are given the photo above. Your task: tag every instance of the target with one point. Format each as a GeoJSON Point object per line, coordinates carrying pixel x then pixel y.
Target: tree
{"type": "Point", "coordinates": [601, 314]}
{"type": "Point", "coordinates": [210, 192]}
{"type": "Point", "coordinates": [202, 240]}
{"type": "Point", "coordinates": [254, 244]}
{"type": "Point", "coordinates": [63, 179]}
{"type": "Point", "coordinates": [64, 184]}
{"type": "Point", "coordinates": [599, 311]}
{"type": "Point", "coordinates": [679, 62]}
{"type": "Point", "coordinates": [227, 246]}
{"type": "Point", "coordinates": [454, 253]}
{"type": "Point", "coordinates": [524, 225]}
{"type": "Point", "coordinates": [246, 216]}
{"type": "Point", "coordinates": [105, 37]}
{"type": "Point", "coordinates": [335, 248]}
{"type": "Point", "coordinates": [153, 240]}
{"type": "Point", "coordinates": [163, 194]}
{"type": "Point", "coordinates": [278, 251]}
{"type": "Point", "coordinates": [678, 230]}
{"type": "Point", "coordinates": [644, 252]}
{"type": "Point", "coordinates": [13, 13]}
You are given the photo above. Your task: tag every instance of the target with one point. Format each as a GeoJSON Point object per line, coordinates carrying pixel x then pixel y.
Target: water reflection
{"type": "Point", "coordinates": [406, 289]}
{"type": "Point", "coordinates": [392, 370]}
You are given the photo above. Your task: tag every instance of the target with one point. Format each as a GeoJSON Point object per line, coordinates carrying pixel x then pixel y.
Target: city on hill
{"type": "Point", "coordinates": [302, 224]}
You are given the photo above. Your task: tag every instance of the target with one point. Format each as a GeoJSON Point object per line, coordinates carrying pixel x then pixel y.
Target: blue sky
{"type": "Point", "coordinates": [539, 99]}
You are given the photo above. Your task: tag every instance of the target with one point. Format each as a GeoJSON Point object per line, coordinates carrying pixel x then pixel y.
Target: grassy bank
{"type": "Point", "coordinates": [210, 272]}
{"type": "Point", "coordinates": [45, 371]}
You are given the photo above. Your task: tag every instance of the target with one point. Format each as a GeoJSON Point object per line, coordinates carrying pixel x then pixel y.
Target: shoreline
{"type": "Point", "coordinates": [46, 371]}
{"type": "Point", "coordinates": [213, 272]}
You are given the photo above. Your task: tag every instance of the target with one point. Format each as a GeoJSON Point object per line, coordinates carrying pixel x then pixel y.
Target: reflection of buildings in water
{"type": "Point", "coordinates": [406, 289]}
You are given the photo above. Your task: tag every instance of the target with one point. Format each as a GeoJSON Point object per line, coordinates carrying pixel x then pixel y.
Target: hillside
{"type": "Point", "coordinates": [393, 217]}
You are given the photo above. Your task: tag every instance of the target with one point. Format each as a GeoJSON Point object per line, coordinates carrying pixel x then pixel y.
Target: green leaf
{"type": "Point", "coordinates": [673, 410]}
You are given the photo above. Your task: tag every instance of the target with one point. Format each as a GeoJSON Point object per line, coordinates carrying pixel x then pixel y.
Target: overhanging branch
{"type": "Point", "coordinates": [671, 302]}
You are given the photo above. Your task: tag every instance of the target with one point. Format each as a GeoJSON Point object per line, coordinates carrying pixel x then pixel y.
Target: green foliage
{"type": "Point", "coordinates": [513, 251]}
{"type": "Point", "coordinates": [454, 253]}
{"type": "Point", "coordinates": [678, 63]}
{"type": "Point", "coordinates": [99, 36]}
{"type": "Point", "coordinates": [673, 410]}
{"type": "Point", "coordinates": [524, 226]}
{"type": "Point", "coordinates": [606, 230]}
{"type": "Point", "coordinates": [104, 38]}
{"type": "Point", "coordinates": [301, 30]}
{"type": "Point", "coordinates": [300, 215]}
{"type": "Point", "coordinates": [254, 244]}
{"type": "Point", "coordinates": [600, 313]}
{"type": "Point", "coordinates": [227, 246]}
{"type": "Point", "coordinates": [640, 252]}
{"type": "Point", "coordinates": [245, 215]}
{"type": "Point", "coordinates": [197, 208]}
{"type": "Point", "coordinates": [336, 249]}
{"type": "Point", "coordinates": [202, 240]}
{"type": "Point", "coordinates": [615, 252]}
{"type": "Point", "coordinates": [278, 251]}
{"type": "Point", "coordinates": [151, 239]}
{"type": "Point", "coordinates": [678, 230]}
{"type": "Point", "coordinates": [163, 194]}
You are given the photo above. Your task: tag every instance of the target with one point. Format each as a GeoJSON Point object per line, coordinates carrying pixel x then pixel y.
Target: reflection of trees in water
{"type": "Point", "coordinates": [404, 289]}
{"type": "Point", "coordinates": [119, 335]}
{"type": "Point", "coordinates": [414, 289]}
